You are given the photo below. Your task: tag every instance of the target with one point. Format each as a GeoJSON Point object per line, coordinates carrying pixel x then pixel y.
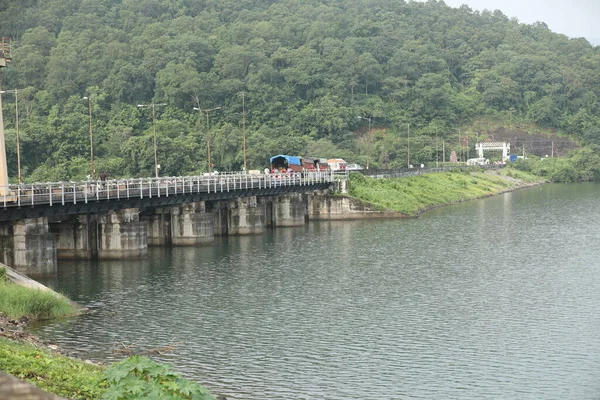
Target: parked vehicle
{"type": "Point", "coordinates": [353, 167]}
{"type": "Point", "coordinates": [478, 161]}
{"type": "Point", "coordinates": [283, 162]}
{"type": "Point", "coordinates": [337, 164]}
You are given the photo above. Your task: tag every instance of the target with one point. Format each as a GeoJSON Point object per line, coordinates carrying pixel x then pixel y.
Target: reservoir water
{"type": "Point", "coordinates": [491, 299]}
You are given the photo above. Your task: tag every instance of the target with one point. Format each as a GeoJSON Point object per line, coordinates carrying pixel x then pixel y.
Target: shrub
{"type": "Point", "coordinates": [141, 378]}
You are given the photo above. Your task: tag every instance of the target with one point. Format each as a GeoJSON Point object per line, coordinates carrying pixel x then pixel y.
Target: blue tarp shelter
{"type": "Point", "coordinates": [291, 160]}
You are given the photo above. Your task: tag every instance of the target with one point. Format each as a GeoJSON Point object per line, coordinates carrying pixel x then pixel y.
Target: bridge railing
{"type": "Point", "coordinates": [61, 193]}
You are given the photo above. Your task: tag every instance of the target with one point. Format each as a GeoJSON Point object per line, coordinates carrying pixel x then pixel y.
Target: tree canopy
{"type": "Point", "coordinates": [309, 69]}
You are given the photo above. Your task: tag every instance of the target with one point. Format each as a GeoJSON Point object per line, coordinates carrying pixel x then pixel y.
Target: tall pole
{"type": "Point", "coordinates": [443, 150]}
{"type": "Point", "coordinates": [154, 140]}
{"type": "Point", "coordinates": [243, 94]}
{"type": "Point", "coordinates": [3, 166]}
{"type": "Point", "coordinates": [92, 168]}
{"type": "Point", "coordinates": [459, 145]}
{"type": "Point", "coordinates": [467, 145]}
{"type": "Point", "coordinates": [155, 145]}
{"type": "Point", "coordinates": [18, 140]}
{"type": "Point", "coordinates": [437, 151]}
{"type": "Point", "coordinates": [408, 145]}
{"type": "Point", "coordinates": [368, 138]}
{"type": "Point", "coordinates": [16, 92]}
{"type": "Point", "coordinates": [208, 111]}
{"type": "Point", "coordinates": [5, 57]}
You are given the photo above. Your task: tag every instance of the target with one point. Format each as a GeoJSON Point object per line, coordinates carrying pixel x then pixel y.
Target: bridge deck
{"type": "Point", "coordinates": [78, 197]}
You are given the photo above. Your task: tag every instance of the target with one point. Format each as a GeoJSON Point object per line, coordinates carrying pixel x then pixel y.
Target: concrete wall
{"type": "Point", "coordinates": [324, 207]}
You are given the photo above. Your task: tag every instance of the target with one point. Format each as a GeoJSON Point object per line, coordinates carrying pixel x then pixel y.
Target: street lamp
{"type": "Point", "coordinates": [368, 137]}
{"type": "Point", "coordinates": [92, 169]}
{"type": "Point", "coordinates": [153, 106]}
{"type": "Point", "coordinates": [208, 111]}
{"type": "Point", "coordinates": [16, 92]}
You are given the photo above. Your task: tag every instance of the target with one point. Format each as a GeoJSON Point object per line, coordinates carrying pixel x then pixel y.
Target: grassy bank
{"type": "Point", "coordinates": [416, 194]}
{"type": "Point", "coordinates": [54, 373]}
{"type": "Point", "coordinates": [18, 301]}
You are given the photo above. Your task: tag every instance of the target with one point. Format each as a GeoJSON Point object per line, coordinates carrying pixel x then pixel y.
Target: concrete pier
{"type": "Point", "coordinates": [245, 217]}
{"type": "Point", "coordinates": [287, 210]}
{"type": "Point", "coordinates": [76, 237]}
{"type": "Point", "coordinates": [28, 246]}
{"type": "Point", "coordinates": [121, 234]}
{"type": "Point", "coordinates": [191, 225]}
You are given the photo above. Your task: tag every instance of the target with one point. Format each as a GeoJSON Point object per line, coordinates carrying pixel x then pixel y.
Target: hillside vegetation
{"type": "Point", "coordinates": [417, 194]}
{"type": "Point", "coordinates": [413, 71]}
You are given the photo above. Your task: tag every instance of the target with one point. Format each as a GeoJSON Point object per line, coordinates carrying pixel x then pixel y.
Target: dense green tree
{"type": "Point", "coordinates": [309, 70]}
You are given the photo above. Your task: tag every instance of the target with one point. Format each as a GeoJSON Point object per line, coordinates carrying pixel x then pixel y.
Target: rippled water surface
{"type": "Point", "coordinates": [491, 299]}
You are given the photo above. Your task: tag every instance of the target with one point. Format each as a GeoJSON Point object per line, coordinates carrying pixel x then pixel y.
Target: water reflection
{"type": "Point", "coordinates": [488, 299]}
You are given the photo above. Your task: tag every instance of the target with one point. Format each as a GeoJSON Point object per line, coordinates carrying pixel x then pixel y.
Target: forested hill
{"type": "Point", "coordinates": [309, 69]}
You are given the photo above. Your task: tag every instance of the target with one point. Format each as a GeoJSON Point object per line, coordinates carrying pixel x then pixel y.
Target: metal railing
{"type": "Point", "coordinates": [61, 193]}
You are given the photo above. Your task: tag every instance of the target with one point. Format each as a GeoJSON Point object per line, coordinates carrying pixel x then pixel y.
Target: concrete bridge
{"type": "Point", "coordinates": [115, 219]}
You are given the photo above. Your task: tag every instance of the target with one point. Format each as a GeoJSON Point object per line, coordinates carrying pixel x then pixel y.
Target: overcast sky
{"type": "Point", "coordinates": [574, 18]}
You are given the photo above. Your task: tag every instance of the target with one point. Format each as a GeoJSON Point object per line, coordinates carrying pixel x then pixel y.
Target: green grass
{"type": "Point", "coordinates": [18, 301]}
{"type": "Point", "coordinates": [416, 194]}
{"type": "Point", "coordinates": [63, 376]}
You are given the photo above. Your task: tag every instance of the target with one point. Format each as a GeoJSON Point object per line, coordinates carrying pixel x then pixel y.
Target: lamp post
{"type": "Point", "coordinates": [92, 169]}
{"type": "Point", "coordinates": [16, 92]}
{"type": "Point", "coordinates": [243, 94]}
{"type": "Point", "coordinates": [208, 111]}
{"type": "Point", "coordinates": [153, 106]}
{"type": "Point", "coordinates": [368, 137]}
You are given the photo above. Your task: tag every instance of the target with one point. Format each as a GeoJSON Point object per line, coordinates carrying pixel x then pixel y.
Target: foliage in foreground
{"type": "Point", "coordinates": [415, 194]}
{"type": "Point", "coordinates": [141, 378]}
{"type": "Point", "coordinates": [133, 378]}
{"type": "Point", "coordinates": [63, 376]}
{"type": "Point", "coordinates": [18, 301]}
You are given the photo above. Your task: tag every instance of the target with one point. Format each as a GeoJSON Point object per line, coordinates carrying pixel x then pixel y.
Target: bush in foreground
{"type": "Point", "coordinates": [141, 378]}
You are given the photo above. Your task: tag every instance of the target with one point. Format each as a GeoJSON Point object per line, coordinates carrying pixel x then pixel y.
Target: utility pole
{"type": "Point", "coordinates": [5, 57]}
{"type": "Point", "coordinates": [92, 168]}
{"type": "Point", "coordinates": [368, 138]}
{"type": "Point", "coordinates": [408, 145]}
{"type": "Point", "coordinates": [208, 111]}
{"type": "Point", "coordinates": [243, 94]}
{"type": "Point", "coordinates": [437, 155]}
{"type": "Point", "coordinates": [16, 93]}
{"type": "Point", "coordinates": [443, 150]}
{"type": "Point", "coordinates": [153, 106]}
